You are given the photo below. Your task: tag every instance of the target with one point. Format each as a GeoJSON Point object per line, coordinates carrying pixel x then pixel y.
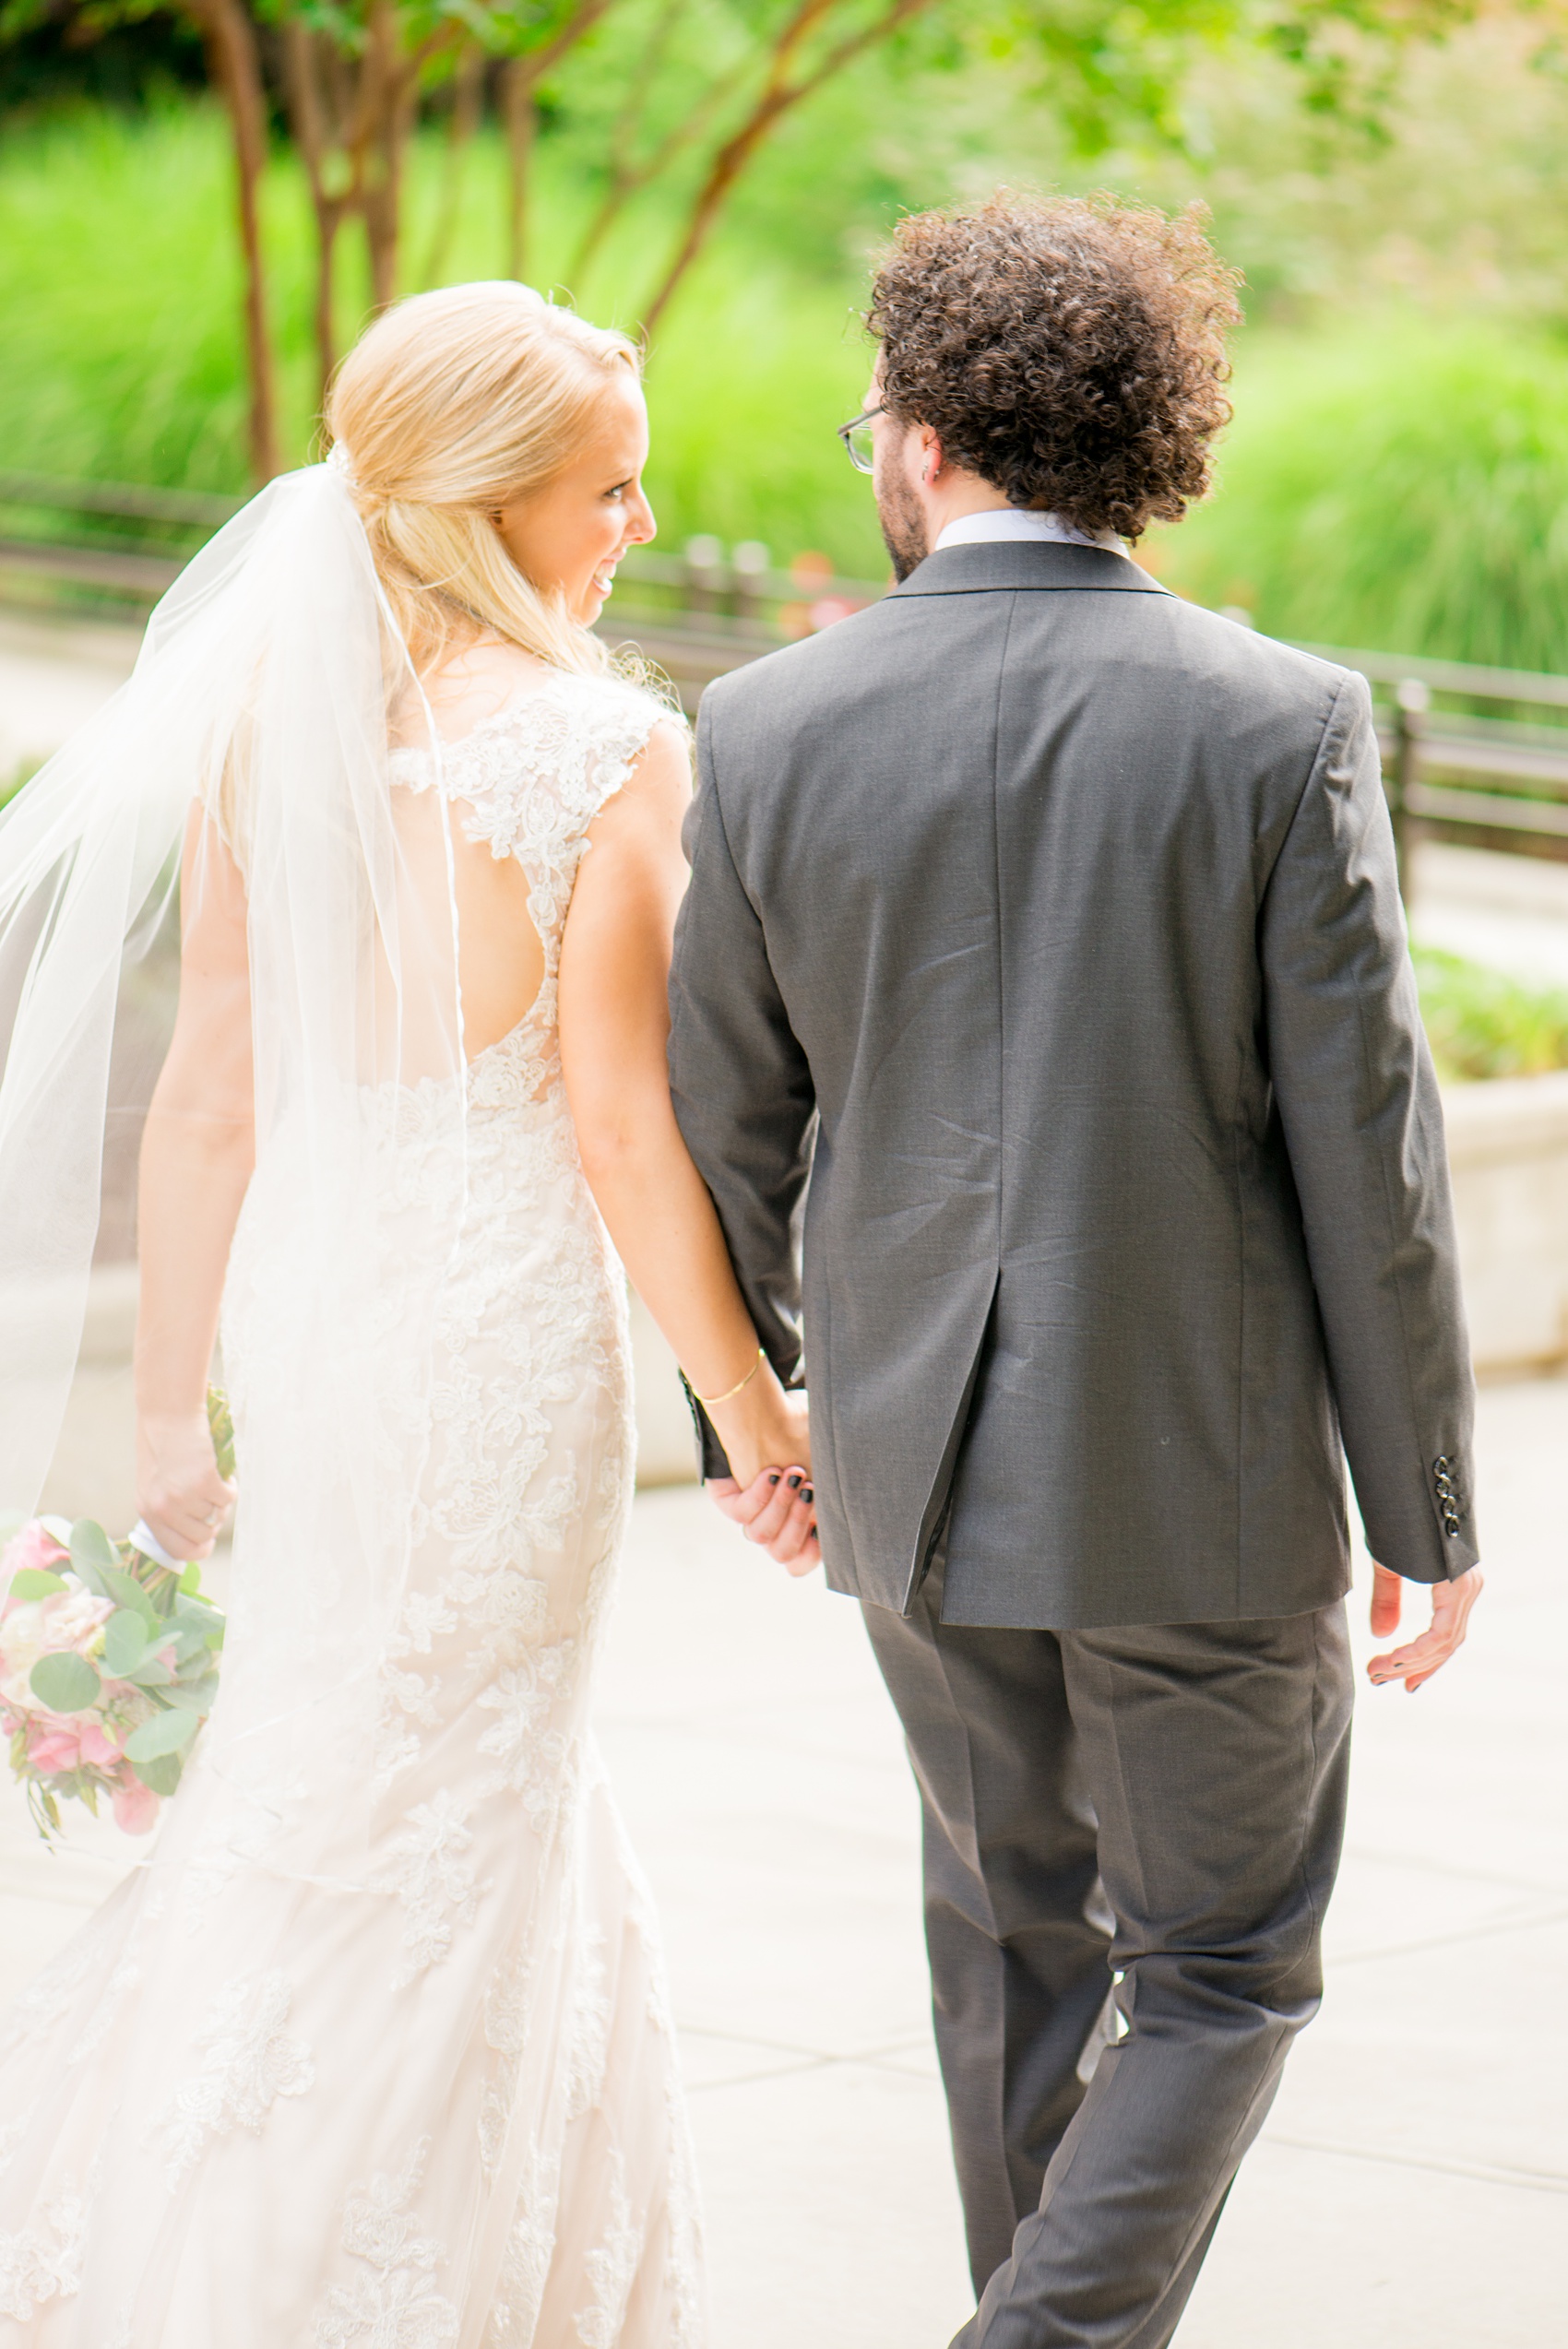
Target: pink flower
{"type": "Point", "coordinates": [34, 1546]}
{"type": "Point", "coordinates": [54, 1745]}
{"type": "Point", "coordinates": [135, 1807]}
{"type": "Point", "coordinates": [101, 1751]}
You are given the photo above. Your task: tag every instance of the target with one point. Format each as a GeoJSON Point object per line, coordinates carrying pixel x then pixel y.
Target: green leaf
{"type": "Point", "coordinates": [221, 1420]}
{"type": "Point", "coordinates": [162, 1775]}
{"type": "Point", "coordinates": [89, 1540]}
{"type": "Point", "coordinates": [125, 1591]}
{"type": "Point", "coordinates": [35, 1581]}
{"type": "Point", "coordinates": [194, 1696]}
{"type": "Point", "coordinates": [198, 1611]}
{"type": "Point", "coordinates": [151, 1673]}
{"type": "Point", "coordinates": [190, 1652]}
{"type": "Point", "coordinates": [65, 1683]}
{"type": "Point", "coordinates": [125, 1643]}
{"type": "Point", "coordinates": [165, 1733]}
{"type": "Point", "coordinates": [190, 1581]}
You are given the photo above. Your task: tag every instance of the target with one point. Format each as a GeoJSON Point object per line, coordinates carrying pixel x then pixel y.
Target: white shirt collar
{"type": "Point", "coordinates": [1020, 522]}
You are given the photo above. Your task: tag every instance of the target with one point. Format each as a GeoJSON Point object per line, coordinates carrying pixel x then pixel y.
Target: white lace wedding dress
{"type": "Point", "coordinates": [431, 2103]}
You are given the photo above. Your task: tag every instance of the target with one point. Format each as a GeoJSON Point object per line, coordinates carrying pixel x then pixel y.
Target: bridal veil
{"type": "Point", "coordinates": [270, 688]}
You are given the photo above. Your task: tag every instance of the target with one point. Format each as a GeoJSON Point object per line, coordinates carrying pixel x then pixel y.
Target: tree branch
{"type": "Point", "coordinates": [778, 96]}
{"type": "Point", "coordinates": [235, 63]}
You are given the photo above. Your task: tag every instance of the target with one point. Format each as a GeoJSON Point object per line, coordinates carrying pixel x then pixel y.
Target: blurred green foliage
{"type": "Point", "coordinates": [1484, 1025]}
{"type": "Point", "coordinates": [118, 286]}
{"type": "Point", "coordinates": [1402, 485]}
{"type": "Point", "coordinates": [1397, 474]}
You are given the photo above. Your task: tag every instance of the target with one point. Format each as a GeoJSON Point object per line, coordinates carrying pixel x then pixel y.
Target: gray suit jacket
{"type": "Point", "coordinates": [1049, 925]}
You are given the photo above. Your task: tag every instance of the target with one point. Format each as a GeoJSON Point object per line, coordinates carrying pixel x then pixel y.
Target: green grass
{"type": "Point", "coordinates": [118, 314]}
{"type": "Point", "coordinates": [1399, 486]}
{"type": "Point", "coordinates": [1388, 482]}
{"type": "Point", "coordinates": [1483, 1025]}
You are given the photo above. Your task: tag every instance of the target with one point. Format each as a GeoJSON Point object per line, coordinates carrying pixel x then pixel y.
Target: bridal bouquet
{"type": "Point", "coordinates": [108, 1663]}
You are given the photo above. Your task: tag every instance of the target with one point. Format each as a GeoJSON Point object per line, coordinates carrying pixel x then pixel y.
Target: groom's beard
{"type": "Point", "coordinates": [903, 524]}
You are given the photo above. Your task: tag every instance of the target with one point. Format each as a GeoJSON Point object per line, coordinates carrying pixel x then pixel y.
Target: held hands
{"type": "Point", "coordinates": [183, 1499]}
{"type": "Point", "coordinates": [1451, 1605]}
{"type": "Point", "coordinates": [772, 1504]}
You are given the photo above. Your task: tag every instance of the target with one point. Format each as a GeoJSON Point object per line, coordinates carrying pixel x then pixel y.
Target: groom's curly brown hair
{"type": "Point", "coordinates": [1070, 350]}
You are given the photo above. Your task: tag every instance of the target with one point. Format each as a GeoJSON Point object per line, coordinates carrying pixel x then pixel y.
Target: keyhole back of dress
{"type": "Point", "coordinates": [500, 958]}
{"type": "Point", "coordinates": [500, 954]}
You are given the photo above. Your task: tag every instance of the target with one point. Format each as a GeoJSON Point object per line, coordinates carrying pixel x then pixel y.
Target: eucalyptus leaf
{"type": "Point", "coordinates": [58, 1529]}
{"type": "Point", "coordinates": [125, 1643]}
{"type": "Point", "coordinates": [35, 1581]}
{"type": "Point", "coordinates": [196, 1610]}
{"type": "Point", "coordinates": [125, 1591]}
{"type": "Point", "coordinates": [162, 1775]}
{"type": "Point", "coordinates": [190, 1581]}
{"type": "Point", "coordinates": [89, 1540]}
{"type": "Point", "coordinates": [194, 1696]}
{"type": "Point", "coordinates": [88, 1575]}
{"type": "Point", "coordinates": [168, 1732]}
{"type": "Point", "coordinates": [65, 1683]}
{"type": "Point", "coordinates": [190, 1653]}
{"type": "Point", "coordinates": [151, 1673]}
{"type": "Point", "coordinates": [221, 1420]}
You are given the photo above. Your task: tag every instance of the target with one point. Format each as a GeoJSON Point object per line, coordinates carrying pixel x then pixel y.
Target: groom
{"type": "Point", "coordinates": [1049, 924]}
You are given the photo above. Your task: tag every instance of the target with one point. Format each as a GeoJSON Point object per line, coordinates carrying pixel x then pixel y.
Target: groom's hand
{"type": "Point", "coordinates": [1451, 1605]}
{"type": "Point", "coordinates": [777, 1511]}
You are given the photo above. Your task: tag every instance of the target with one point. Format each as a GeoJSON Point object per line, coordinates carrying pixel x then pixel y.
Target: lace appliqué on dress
{"type": "Point", "coordinates": [43, 2262]}
{"type": "Point", "coordinates": [250, 2062]}
{"type": "Point", "coordinates": [393, 2302]}
{"type": "Point", "coordinates": [610, 2270]}
{"type": "Point", "coordinates": [434, 1880]}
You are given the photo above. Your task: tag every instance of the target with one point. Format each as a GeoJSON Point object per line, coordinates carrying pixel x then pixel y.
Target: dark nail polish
{"type": "Point", "coordinates": [795, 1482]}
{"type": "Point", "coordinates": [773, 1476]}
{"type": "Point", "coordinates": [807, 1495]}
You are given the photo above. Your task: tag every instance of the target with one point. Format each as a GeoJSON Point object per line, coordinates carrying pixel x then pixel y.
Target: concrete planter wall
{"type": "Point", "coordinates": [1508, 1147]}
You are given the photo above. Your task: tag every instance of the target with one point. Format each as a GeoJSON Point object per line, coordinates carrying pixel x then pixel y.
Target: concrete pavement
{"type": "Point", "coordinates": [1409, 2186]}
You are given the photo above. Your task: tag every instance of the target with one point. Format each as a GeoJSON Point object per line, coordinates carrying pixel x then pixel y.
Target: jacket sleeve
{"type": "Point", "coordinates": [1363, 1124]}
{"type": "Point", "coordinates": [741, 1087]}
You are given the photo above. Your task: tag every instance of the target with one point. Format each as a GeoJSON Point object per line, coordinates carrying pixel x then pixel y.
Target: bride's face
{"type": "Point", "coordinates": [573, 534]}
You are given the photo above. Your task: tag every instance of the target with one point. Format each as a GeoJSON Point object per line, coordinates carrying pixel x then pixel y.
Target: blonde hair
{"type": "Point", "coordinates": [451, 405]}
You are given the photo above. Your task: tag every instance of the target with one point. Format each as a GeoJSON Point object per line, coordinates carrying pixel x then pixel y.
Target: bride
{"type": "Point", "coordinates": [375, 2050]}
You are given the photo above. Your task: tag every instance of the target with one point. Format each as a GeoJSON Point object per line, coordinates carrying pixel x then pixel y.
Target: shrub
{"type": "Point", "coordinates": [1403, 488]}
{"type": "Point", "coordinates": [1481, 1024]}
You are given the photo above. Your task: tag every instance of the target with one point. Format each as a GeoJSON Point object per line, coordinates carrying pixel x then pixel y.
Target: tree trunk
{"type": "Point", "coordinates": [323, 317]}
{"type": "Point", "coordinates": [522, 118]}
{"type": "Point", "coordinates": [303, 60]}
{"type": "Point", "coordinates": [468, 93]}
{"type": "Point", "coordinates": [378, 157]}
{"type": "Point", "coordinates": [228, 38]}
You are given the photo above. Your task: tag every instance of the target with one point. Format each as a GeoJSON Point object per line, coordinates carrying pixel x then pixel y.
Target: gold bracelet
{"type": "Point", "coordinates": [710, 1402]}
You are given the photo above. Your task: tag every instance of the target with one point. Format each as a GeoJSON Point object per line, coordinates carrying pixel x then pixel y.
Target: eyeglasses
{"type": "Point", "coordinates": [858, 447]}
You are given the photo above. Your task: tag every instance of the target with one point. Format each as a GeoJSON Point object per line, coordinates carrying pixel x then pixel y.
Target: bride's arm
{"type": "Point", "coordinates": [615, 1027]}
{"type": "Point", "coordinates": [196, 1156]}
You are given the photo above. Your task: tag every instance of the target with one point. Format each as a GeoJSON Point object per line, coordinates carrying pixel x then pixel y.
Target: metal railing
{"type": "Point", "coordinates": [1471, 755]}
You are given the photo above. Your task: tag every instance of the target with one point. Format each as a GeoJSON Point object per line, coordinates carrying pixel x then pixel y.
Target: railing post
{"type": "Point", "coordinates": [752, 563]}
{"type": "Point", "coordinates": [704, 573]}
{"type": "Point", "coordinates": [1412, 699]}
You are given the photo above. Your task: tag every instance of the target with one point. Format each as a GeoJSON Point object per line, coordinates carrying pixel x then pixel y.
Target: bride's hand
{"type": "Point", "coordinates": [182, 1498]}
{"type": "Point", "coordinates": [766, 1437]}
